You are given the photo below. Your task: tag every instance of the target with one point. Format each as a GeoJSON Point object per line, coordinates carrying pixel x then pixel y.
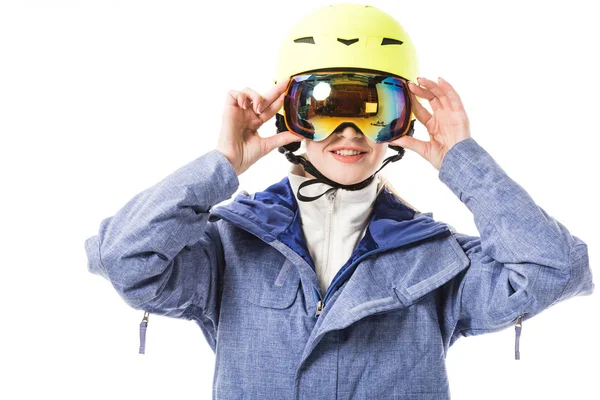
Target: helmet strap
{"type": "Point", "coordinates": [319, 177]}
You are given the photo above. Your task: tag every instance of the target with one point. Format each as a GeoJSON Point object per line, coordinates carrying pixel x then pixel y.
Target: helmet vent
{"type": "Point", "coordinates": [347, 42]}
{"type": "Point", "coordinates": [390, 41]}
{"type": "Point", "coordinates": [308, 39]}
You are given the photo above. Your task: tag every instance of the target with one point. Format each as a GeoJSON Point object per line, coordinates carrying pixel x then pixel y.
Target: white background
{"type": "Point", "coordinates": [100, 100]}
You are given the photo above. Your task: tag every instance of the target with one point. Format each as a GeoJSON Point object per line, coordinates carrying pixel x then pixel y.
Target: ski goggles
{"type": "Point", "coordinates": [319, 103]}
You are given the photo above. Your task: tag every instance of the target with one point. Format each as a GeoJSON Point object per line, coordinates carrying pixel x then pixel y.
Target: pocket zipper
{"type": "Point", "coordinates": [518, 326]}
{"type": "Point", "coordinates": [143, 326]}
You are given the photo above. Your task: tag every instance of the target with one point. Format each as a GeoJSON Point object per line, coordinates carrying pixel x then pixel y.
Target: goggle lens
{"type": "Point", "coordinates": [321, 103]}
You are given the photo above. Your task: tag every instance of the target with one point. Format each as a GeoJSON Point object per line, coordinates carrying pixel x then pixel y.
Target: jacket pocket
{"type": "Point", "coordinates": [428, 267]}
{"type": "Point", "coordinates": [272, 287]}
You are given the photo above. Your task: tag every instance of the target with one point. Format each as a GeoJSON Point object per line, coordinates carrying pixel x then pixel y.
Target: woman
{"type": "Point", "coordinates": [355, 294]}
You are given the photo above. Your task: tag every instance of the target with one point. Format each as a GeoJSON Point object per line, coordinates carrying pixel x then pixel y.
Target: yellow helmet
{"type": "Point", "coordinates": [344, 36]}
{"type": "Point", "coordinates": [347, 35]}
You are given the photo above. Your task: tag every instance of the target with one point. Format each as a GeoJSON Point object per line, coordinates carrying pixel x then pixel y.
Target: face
{"type": "Point", "coordinates": [346, 170]}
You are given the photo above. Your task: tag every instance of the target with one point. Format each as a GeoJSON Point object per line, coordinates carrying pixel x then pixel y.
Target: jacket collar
{"type": "Point", "coordinates": [273, 214]}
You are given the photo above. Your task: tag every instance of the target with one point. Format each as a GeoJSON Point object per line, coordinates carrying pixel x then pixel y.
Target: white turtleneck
{"type": "Point", "coordinates": [331, 240]}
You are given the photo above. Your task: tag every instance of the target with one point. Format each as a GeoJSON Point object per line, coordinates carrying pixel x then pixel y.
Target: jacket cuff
{"type": "Point", "coordinates": [210, 177]}
{"type": "Point", "coordinates": [461, 163]}
{"type": "Point", "coordinates": [92, 249]}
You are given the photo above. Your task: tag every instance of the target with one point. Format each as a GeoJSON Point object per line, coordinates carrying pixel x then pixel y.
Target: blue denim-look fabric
{"type": "Point", "coordinates": [414, 286]}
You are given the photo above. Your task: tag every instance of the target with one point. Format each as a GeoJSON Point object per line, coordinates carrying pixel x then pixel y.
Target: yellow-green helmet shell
{"type": "Point", "coordinates": [347, 35]}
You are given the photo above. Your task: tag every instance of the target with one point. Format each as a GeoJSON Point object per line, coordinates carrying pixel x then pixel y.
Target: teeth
{"type": "Point", "coordinates": [347, 152]}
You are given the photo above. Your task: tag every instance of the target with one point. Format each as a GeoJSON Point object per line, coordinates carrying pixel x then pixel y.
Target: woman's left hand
{"type": "Point", "coordinates": [447, 126]}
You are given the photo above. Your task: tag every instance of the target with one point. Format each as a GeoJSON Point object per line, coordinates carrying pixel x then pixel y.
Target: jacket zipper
{"type": "Point", "coordinates": [322, 301]}
{"type": "Point", "coordinates": [320, 306]}
{"type": "Point", "coordinates": [518, 326]}
{"type": "Point", "coordinates": [328, 227]}
{"type": "Point", "coordinates": [143, 326]}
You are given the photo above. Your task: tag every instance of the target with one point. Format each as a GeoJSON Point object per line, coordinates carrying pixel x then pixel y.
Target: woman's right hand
{"type": "Point", "coordinates": [245, 112]}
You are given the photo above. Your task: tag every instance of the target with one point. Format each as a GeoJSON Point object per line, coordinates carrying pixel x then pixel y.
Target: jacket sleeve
{"type": "Point", "coordinates": [524, 261]}
{"type": "Point", "coordinates": [159, 251]}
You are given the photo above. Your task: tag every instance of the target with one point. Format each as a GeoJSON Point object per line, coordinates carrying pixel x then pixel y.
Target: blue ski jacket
{"type": "Point", "coordinates": [410, 289]}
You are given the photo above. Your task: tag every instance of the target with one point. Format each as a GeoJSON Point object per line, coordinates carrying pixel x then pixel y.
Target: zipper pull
{"type": "Point", "coordinates": [143, 326]}
{"type": "Point", "coordinates": [331, 199]}
{"type": "Point", "coordinates": [320, 306]}
{"type": "Point", "coordinates": [518, 326]}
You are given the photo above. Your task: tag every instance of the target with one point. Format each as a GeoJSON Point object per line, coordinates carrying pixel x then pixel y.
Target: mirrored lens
{"type": "Point", "coordinates": [317, 105]}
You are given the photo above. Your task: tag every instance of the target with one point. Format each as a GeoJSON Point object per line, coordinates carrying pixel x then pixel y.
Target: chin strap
{"type": "Point", "coordinates": [320, 178]}
{"type": "Point", "coordinates": [289, 149]}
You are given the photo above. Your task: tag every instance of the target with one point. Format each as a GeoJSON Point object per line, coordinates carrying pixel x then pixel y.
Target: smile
{"type": "Point", "coordinates": [350, 158]}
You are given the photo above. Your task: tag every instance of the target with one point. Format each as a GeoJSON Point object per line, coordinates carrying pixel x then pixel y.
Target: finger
{"type": "Point", "coordinates": [255, 98]}
{"type": "Point", "coordinates": [279, 139]}
{"type": "Point", "coordinates": [437, 91]}
{"type": "Point", "coordinates": [455, 100]}
{"type": "Point", "coordinates": [238, 98]}
{"type": "Point", "coordinates": [273, 94]}
{"type": "Point", "coordinates": [434, 88]}
{"type": "Point", "coordinates": [272, 109]}
{"type": "Point", "coordinates": [413, 144]}
{"type": "Point", "coordinates": [231, 98]}
{"type": "Point", "coordinates": [422, 114]}
{"type": "Point", "coordinates": [425, 93]}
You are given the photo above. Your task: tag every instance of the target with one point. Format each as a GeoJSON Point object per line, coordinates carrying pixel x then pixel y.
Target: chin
{"type": "Point", "coordinates": [346, 180]}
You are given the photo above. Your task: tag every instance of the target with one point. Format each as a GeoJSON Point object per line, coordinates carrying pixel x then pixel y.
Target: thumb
{"type": "Point", "coordinates": [409, 142]}
{"type": "Point", "coordinates": [280, 139]}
